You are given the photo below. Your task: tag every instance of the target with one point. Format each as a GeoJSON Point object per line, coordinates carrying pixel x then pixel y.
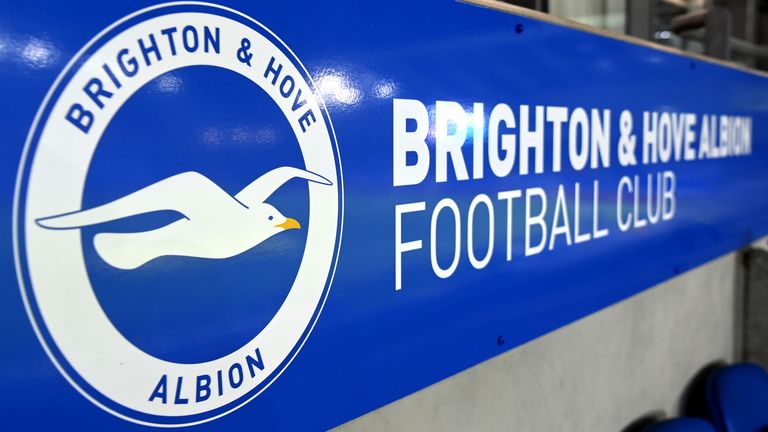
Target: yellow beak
{"type": "Point", "coordinates": [289, 224]}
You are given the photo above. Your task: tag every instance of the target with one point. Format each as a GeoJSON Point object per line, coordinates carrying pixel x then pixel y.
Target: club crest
{"type": "Point", "coordinates": [122, 202]}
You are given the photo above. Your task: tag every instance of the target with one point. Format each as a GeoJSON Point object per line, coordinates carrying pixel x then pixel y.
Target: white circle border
{"type": "Point", "coordinates": [17, 197]}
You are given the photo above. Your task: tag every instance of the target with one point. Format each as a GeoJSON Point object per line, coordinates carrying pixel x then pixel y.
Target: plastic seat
{"type": "Point", "coordinates": [737, 397]}
{"type": "Point", "coordinates": [683, 424]}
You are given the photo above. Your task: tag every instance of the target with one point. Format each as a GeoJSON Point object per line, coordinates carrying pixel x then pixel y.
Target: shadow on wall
{"type": "Point", "coordinates": [644, 422]}
{"type": "Point", "coordinates": [755, 342]}
{"type": "Point", "coordinates": [693, 401]}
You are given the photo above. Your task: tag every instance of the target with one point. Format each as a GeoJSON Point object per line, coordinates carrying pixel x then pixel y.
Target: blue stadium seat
{"type": "Point", "coordinates": [737, 396]}
{"type": "Point", "coordinates": [683, 424]}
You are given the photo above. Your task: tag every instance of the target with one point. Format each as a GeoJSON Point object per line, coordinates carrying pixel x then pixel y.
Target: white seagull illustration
{"type": "Point", "coordinates": [215, 224]}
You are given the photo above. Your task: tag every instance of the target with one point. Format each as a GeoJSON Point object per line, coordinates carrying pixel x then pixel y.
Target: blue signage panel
{"type": "Point", "coordinates": [259, 216]}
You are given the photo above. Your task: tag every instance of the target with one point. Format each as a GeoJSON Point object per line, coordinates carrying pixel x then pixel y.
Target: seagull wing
{"type": "Point", "coordinates": [188, 193]}
{"type": "Point", "coordinates": [261, 188]}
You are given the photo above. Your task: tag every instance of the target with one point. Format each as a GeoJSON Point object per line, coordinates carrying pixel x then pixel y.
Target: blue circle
{"type": "Point", "coordinates": [195, 310]}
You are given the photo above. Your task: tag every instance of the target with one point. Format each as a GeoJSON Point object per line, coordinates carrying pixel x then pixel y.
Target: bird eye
{"type": "Point", "coordinates": [271, 217]}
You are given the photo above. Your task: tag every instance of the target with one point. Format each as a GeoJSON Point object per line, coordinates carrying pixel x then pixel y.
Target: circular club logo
{"type": "Point", "coordinates": [178, 214]}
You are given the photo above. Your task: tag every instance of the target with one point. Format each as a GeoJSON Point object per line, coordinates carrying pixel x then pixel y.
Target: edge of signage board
{"type": "Point", "coordinates": [501, 6]}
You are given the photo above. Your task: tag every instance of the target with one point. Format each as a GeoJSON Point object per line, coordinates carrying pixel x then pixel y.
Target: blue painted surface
{"type": "Point", "coordinates": [737, 397]}
{"type": "Point", "coordinates": [683, 424]}
{"type": "Point", "coordinates": [372, 344]}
